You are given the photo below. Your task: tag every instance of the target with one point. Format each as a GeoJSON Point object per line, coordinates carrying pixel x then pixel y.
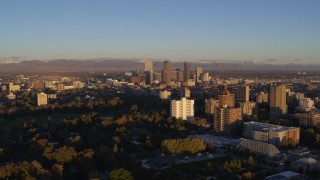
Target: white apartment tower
{"type": "Point", "coordinates": [183, 108]}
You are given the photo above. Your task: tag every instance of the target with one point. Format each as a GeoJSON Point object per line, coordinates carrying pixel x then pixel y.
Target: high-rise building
{"type": "Point", "coordinates": [243, 93]}
{"type": "Point", "coordinates": [211, 106]}
{"type": "Point", "coordinates": [262, 97]}
{"type": "Point", "coordinates": [42, 99]}
{"type": "Point", "coordinates": [166, 72]}
{"type": "Point", "coordinates": [306, 104]}
{"type": "Point", "coordinates": [223, 89]}
{"type": "Point", "coordinates": [60, 87]}
{"type": "Point", "coordinates": [148, 65]}
{"type": "Point", "coordinates": [226, 100]}
{"type": "Point", "coordinates": [198, 73]}
{"type": "Point", "coordinates": [165, 94]}
{"type": "Point", "coordinates": [205, 77]}
{"type": "Point", "coordinates": [149, 76]}
{"type": "Point", "coordinates": [248, 108]}
{"type": "Point", "coordinates": [183, 109]}
{"type": "Point", "coordinates": [158, 76]}
{"type": "Point", "coordinates": [77, 84]}
{"type": "Point", "coordinates": [278, 104]}
{"type": "Point", "coordinates": [148, 71]}
{"type": "Point", "coordinates": [174, 75]}
{"type": "Point", "coordinates": [186, 71]}
{"type": "Point", "coordinates": [185, 92]}
{"type": "Point", "coordinates": [179, 75]}
{"type": "Point", "coordinates": [226, 119]}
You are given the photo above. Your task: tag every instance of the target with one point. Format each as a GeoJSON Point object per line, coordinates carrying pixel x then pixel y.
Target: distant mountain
{"type": "Point", "coordinates": [118, 65]}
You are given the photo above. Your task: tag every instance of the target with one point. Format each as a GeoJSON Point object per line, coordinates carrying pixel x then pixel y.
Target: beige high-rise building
{"type": "Point", "coordinates": [243, 93]}
{"type": "Point", "coordinates": [186, 71]}
{"type": "Point", "coordinates": [199, 71]}
{"type": "Point", "coordinates": [166, 72]}
{"type": "Point", "coordinates": [42, 99]}
{"type": "Point", "coordinates": [148, 65]}
{"type": "Point", "coordinates": [278, 101]}
{"type": "Point", "coordinates": [262, 97]}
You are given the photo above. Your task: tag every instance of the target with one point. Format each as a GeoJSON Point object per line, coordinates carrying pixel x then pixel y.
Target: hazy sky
{"type": "Point", "coordinates": [278, 31]}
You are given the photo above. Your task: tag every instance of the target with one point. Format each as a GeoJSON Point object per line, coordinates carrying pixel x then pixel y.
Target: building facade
{"type": "Point", "coordinates": [183, 108]}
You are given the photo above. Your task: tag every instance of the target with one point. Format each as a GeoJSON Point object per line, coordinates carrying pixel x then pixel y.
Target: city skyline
{"type": "Point", "coordinates": [272, 32]}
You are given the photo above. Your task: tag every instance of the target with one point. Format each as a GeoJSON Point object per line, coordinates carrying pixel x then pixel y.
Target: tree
{"type": "Point", "coordinates": [120, 174]}
{"type": "Point", "coordinates": [251, 161]}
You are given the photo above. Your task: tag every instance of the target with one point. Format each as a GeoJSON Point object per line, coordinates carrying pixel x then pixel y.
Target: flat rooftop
{"type": "Point", "coordinates": [269, 127]}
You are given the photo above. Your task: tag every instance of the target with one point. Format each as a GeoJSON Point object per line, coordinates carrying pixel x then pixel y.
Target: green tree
{"type": "Point", "coordinates": [120, 174]}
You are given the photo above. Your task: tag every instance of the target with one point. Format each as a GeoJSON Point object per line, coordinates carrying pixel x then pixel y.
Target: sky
{"type": "Point", "coordinates": [273, 31]}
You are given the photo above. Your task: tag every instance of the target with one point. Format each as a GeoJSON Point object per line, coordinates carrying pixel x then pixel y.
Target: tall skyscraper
{"type": "Point", "coordinates": [166, 71]}
{"type": "Point", "coordinates": [183, 109]}
{"type": "Point", "coordinates": [198, 73]}
{"type": "Point", "coordinates": [148, 71]}
{"type": "Point", "coordinates": [243, 93]}
{"type": "Point", "coordinates": [148, 65]}
{"type": "Point", "coordinates": [179, 75]}
{"type": "Point", "coordinates": [262, 97]}
{"type": "Point", "coordinates": [186, 71]}
{"type": "Point", "coordinates": [278, 104]}
{"type": "Point", "coordinates": [42, 99]}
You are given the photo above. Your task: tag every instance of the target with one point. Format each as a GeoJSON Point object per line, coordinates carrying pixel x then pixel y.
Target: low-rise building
{"type": "Point", "coordinates": [272, 134]}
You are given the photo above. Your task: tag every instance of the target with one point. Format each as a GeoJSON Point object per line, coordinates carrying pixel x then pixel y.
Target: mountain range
{"type": "Point", "coordinates": [119, 65]}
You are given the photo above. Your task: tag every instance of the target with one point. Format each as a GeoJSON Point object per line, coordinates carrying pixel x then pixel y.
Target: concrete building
{"type": "Point", "coordinates": [158, 77]}
{"type": "Point", "coordinates": [180, 76]}
{"type": "Point", "coordinates": [77, 84]}
{"type": "Point", "coordinates": [306, 104]}
{"type": "Point", "coordinates": [42, 99]}
{"type": "Point", "coordinates": [278, 101]}
{"type": "Point", "coordinates": [309, 119]}
{"type": "Point", "coordinates": [183, 108]}
{"type": "Point", "coordinates": [148, 65]}
{"type": "Point", "coordinates": [269, 133]}
{"type": "Point", "coordinates": [166, 72]}
{"type": "Point", "coordinates": [148, 71]}
{"type": "Point", "coordinates": [226, 119]}
{"type": "Point", "coordinates": [185, 92]}
{"type": "Point", "coordinates": [211, 106]}
{"type": "Point", "coordinates": [186, 71]}
{"type": "Point", "coordinates": [243, 93]}
{"type": "Point", "coordinates": [227, 99]}
{"type": "Point", "coordinates": [13, 88]}
{"type": "Point", "coordinates": [262, 97]}
{"type": "Point", "coordinates": [11, 96]}
{"type": "Point", "coordinates": [60, 87]}
{"type": "Point", "coordinates": [38, 85]}
{"type": "Point", "coordinates": [199, 71]}
{"type": "Point", "coordinates": [249, 108]}
{"type": "Point", "coordinates": [205, 77]}
{"type": "Point", "coordinates": [165, 94]}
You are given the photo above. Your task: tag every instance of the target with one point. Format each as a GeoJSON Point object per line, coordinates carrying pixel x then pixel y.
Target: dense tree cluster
{"type": "Point", "coordinates": [188, 145]}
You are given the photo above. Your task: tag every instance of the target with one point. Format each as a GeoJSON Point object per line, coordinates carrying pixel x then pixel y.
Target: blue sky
{"type": "Point", "coordinates": [278, 31]}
